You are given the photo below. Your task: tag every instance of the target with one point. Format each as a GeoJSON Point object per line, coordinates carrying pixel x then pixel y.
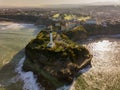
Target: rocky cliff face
{"type": "Point", "coordinates": [55, 66]}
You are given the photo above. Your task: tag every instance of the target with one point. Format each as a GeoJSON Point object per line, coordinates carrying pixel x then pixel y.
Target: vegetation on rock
{"type": "Point", "coordinates": [77, 33]}
{"type": "Point", "coordinates": [55, 66]}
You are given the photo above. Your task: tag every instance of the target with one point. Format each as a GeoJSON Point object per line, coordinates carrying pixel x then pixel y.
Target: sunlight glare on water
{"type": "Point", "coordinates": [105, 71]}
{"type": "Point", "coordinates": [104, 45]}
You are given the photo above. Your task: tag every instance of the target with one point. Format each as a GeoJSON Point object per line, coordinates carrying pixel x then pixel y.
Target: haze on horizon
{"type": "Point", "coordinates": [43, 3]}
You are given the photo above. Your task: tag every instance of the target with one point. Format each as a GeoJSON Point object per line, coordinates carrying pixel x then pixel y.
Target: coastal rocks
{"type": "Point", "coordinates": [77, 33]}
{"type": "Point", "coordinates": [101, 30]}
{"type": "Point", "coordinates": [56, 66]}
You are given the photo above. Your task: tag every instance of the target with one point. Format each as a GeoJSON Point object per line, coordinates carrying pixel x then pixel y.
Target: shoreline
{"type": "Point", "coordinates": [13, 21]}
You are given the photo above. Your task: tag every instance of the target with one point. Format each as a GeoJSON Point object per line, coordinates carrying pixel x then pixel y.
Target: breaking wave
{"type": "Point", "coordinates": [30, 81]}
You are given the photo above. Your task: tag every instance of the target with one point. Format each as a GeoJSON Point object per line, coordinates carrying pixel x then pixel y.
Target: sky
{"type": "Point", "coordinates": [38, 3]}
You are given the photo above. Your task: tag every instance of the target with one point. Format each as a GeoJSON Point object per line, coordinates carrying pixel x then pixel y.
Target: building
{"type": "Point", "coordinates": [51, 44]}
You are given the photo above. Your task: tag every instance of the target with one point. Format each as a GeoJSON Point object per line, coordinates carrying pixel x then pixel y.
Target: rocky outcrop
{"type": "Point", "coordinates": [55, 66]}
{"type": "Point", "coordinates": [85, 31]}
{"type": "Point", "coordinates": [77, 33]}
{"type": "Point", "coordinates": [101, 30]}
{"type": "Point", "coordinates": [59, 65]}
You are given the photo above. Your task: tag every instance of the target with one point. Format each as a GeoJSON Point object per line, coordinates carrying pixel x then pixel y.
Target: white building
{"type": "Point", "coordinates": [51, 44]}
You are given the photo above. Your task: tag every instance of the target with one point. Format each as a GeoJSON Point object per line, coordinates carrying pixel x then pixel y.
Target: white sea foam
{"type": "Point", "coordinates": [28, 77]}
{"type": "Point", "coordinates": [85, 69]}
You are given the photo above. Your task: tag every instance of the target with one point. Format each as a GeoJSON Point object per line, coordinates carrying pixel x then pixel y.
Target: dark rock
{"type": "Point", "coordinates": [55, 66]}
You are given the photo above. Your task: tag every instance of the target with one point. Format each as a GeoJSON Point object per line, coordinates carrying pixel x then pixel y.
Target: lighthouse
{"type": "Point", "coordinates": [51, 44]}
{"type": "Point", "coordinates": [51, 37]}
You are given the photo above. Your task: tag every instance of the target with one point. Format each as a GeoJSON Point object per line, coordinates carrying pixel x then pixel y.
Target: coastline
{"type": "Point", "coordinates": [88, 38]}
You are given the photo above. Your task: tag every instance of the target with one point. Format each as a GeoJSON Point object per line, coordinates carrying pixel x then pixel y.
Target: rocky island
{"type": "Point", "coordinates": [57, 65]}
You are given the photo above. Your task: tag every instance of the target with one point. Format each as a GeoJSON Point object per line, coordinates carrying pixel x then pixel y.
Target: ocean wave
{"type": "Point", "coordinates": [30, 81]}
